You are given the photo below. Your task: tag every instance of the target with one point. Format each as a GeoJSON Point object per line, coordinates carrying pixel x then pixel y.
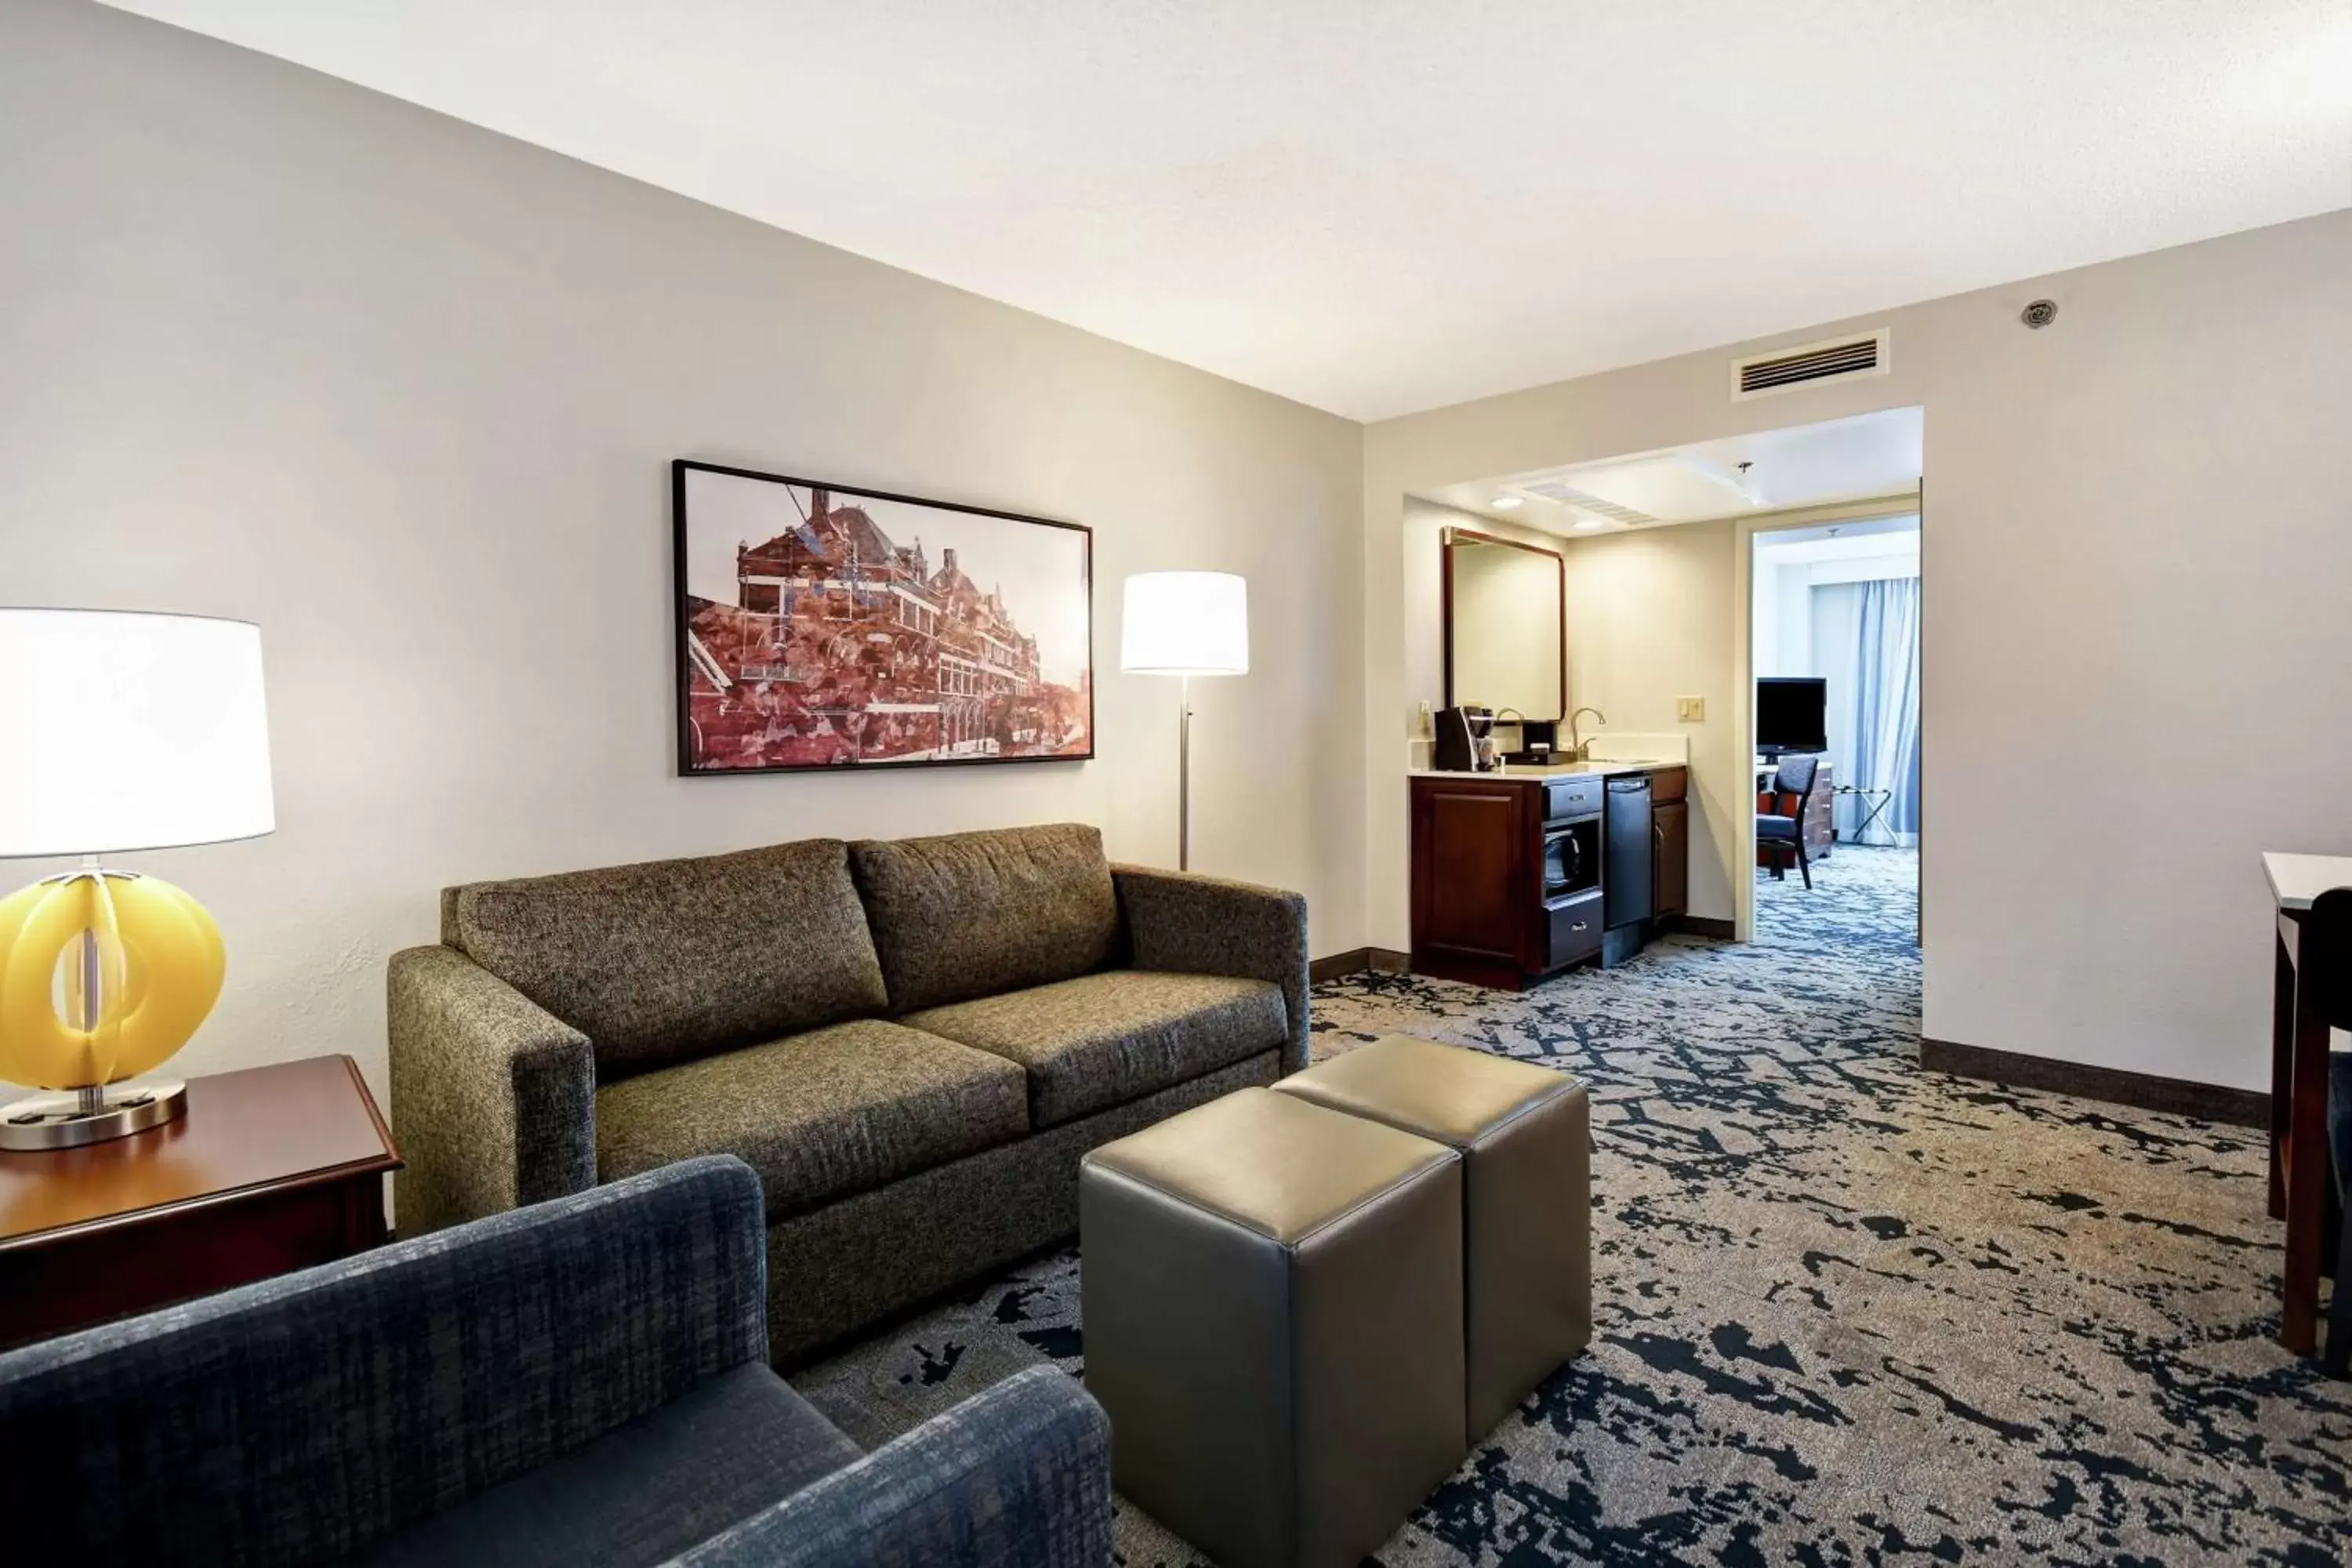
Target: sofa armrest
{"type": "Point", "coordinates": [310, 1417]}
{"type": "Point", "coordinates": [1016, 1477]}
{"type": "Point", "coordinates": [1206, 925]}
{"type": "Point", "coordinates": [493, 1097]}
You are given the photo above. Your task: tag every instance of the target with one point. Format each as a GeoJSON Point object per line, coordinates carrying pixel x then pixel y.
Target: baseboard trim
{"type": "Point", "coordinates": [1701, 925]}
{"type": "Point", "coordinates": [1341, 964]}
{"type": "Point", "coordinates": [2143, 1092]}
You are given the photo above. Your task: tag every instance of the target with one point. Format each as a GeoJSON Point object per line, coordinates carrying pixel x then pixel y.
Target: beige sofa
{"type": "Point", "coordinates": [911, 1041]}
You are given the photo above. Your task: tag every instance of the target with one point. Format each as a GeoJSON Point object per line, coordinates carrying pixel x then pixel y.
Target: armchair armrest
{"type": "Point", "coordinates": [1206, 925]}
{"type": "Point", "coordinates": [308, 1418]}
{"type": "Point", "coordinates": [1017, 1477]}
{"type": "Point", "coordinates": [493, 1097]}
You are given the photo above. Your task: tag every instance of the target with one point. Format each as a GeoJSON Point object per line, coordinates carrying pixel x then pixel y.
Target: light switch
{"type": "Point", "coordinates": [1691, 709]}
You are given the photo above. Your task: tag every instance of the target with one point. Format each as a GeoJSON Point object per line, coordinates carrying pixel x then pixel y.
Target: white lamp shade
{"type": "Point", "coordinates": [127, 731]}
{"type": "Point", "coordinates": [1185, 623]}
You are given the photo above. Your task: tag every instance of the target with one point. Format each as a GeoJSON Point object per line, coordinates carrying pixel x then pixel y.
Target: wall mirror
{"type": "Point", "coordinates": [1506, 642]}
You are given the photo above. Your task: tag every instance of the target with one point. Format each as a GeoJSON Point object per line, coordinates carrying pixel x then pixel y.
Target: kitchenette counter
{"type": "Point", "coordinates": [1520, 873]}
{"type": "Point", "coordinates": [1599, 770]}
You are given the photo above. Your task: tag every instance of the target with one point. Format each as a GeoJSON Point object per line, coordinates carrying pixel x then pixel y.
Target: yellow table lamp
{"type": "Point", "coordinates": [125, 731]}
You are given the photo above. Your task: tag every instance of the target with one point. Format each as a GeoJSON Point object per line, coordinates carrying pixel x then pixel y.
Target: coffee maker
{"type": "Point", "coordinates": [1465, 742]}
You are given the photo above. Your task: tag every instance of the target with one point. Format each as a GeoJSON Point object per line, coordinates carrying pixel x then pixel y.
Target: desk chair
{"type": "Point", "coordinates": [1783, 835]}
{"type": "Point", "coordinates": [2325, 962]}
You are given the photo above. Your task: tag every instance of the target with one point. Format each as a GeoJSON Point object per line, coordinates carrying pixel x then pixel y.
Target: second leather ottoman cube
{"type": "Point", "coordinates": [1525, 1133]}
{"type": "Point", "coordinates": [1273, 1310]}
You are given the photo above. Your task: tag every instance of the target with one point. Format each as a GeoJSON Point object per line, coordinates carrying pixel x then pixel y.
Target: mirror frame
{"type": "Point", "coordinates": [1446, 541]}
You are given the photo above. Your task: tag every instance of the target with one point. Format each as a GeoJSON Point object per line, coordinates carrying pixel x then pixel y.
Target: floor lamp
{"type": "Point", "coordinates": [1185, 623]}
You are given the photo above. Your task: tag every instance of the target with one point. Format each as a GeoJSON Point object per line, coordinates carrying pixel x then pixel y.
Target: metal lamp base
{"type": "Point", "coordinates": [72, 1117]}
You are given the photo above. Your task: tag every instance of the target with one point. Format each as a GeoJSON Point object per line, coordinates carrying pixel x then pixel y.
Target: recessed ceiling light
{"type": "Point", "coordinates": [1591, 524]}
{"type": "Point", "coordinates": [1506, 503]}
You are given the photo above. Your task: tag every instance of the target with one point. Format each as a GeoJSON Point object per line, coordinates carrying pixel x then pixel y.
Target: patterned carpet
{"type": "Point", "coordinates": [1846, 1312]}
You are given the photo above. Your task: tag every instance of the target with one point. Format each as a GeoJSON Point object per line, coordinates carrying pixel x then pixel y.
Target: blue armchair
{"type": "Point", "coordinates": [579, 1382]}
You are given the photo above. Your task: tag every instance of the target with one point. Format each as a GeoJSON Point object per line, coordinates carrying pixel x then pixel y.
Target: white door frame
{"type": "Point", "coordinates": [1743, 663]}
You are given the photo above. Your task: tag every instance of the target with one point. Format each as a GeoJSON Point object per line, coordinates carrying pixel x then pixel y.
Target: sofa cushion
{"type": "Point", "coordinates": [819, 1116]}
{"type": "Point", "coordinates": [646, 1492]}
{"type": "Point", "coordinates": [670, 960]}
{"type": "Point", "coordinates": [1103, 1039]}
{"type": "Point", "coordinates": [969, 914]}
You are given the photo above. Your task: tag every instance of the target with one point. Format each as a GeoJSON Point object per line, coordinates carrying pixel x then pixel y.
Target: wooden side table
{"type": "Point", "coordinates": [272, 1169]}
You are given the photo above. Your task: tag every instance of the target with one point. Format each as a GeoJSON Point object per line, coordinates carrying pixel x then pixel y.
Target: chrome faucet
{"type": "Point", "coordinates": [1575, 746]}
{"type": "Point", "coordinates": [1497, 723]}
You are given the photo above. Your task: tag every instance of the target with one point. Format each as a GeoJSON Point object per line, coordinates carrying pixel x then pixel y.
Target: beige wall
{"type": "Point", "coordinates": [1649, 620]}
{"type": "Point", "coordinates": [2110, 738]}
{"type": "Point", "coordinates": [405, 393]}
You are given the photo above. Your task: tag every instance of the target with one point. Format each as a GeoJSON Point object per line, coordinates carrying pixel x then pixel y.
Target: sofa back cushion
{"type": "Point", "coordinates": [671, 959]}
{"type": "Point", "coordinates": [971, 914]}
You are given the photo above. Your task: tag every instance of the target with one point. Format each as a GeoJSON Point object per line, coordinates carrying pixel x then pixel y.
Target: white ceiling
{"type": "Point", "coordinates": [1861, 458]}
{"type": "Point", "coordinates": [1893, 536]}
{"type": "Point", "coordinates": [1381, 205]}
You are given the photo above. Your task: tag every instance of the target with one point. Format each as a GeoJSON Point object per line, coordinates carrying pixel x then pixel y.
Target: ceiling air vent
{"type": "Point", "coordinates": [1569, 495]}
{"type": "Point", "coordinates": [1809, 364]}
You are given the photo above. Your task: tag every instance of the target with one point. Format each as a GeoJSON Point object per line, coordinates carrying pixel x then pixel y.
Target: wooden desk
{"type": "Point", "coordinates": [272, 1169]}
{"type": "Point", "coordinates": [2299, 1041]}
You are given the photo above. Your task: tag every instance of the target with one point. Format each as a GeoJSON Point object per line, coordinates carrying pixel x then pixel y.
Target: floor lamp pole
{"type": "Point", "coordinates": [1184, 774]}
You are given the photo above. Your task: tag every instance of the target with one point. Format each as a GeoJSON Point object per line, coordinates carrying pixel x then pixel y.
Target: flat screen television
{"type": "Point", "coordinates": [1792, 713]}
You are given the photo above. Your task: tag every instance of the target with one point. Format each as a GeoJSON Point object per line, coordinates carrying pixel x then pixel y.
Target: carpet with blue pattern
{"type": "Point", "coordinates": [1846, 1312]}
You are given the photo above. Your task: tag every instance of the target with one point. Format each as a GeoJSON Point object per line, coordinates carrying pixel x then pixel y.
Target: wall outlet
{"type": "Point", "coordinates": [1691, 709]}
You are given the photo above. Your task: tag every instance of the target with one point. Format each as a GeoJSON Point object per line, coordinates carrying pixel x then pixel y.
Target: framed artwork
{"type": "Point", "coordinates": [820, 626]}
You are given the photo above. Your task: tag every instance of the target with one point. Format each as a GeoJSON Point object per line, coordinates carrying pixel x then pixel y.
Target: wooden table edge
{"type": "Point", "coordinates": [382, 1165]}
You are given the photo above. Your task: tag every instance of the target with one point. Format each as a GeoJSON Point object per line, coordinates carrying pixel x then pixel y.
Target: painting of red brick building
{"type": "Point", "coordinates": [823, 626]}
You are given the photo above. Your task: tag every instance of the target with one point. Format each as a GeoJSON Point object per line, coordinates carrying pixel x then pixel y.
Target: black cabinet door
{"type": "Point", "coordinates": [1572, 928]}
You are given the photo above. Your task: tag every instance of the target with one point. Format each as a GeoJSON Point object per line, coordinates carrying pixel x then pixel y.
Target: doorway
{"type": "Point", "coordinates": [1834, 680]}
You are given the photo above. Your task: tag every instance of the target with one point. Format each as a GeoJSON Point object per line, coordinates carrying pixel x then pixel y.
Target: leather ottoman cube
{"type": "Point", "coordinates": [1525, 1135]}
{"type": "Point", "coordinates": [1273, 1310]}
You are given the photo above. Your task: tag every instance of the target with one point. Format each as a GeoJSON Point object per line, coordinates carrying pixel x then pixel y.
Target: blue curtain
{"type": "Point", "coordinates": [1887, 705]}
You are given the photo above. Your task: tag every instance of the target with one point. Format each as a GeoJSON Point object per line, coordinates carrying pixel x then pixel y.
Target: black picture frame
{"type": "Point", "coordinates": [682, 612]}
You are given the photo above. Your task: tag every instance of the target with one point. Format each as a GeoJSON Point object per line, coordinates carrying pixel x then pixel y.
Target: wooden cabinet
{"type": "Point", "coordinates": [1480, 912]}
{"type": "Point", "coordinates": [272, 1169]}
{"type": "Point", "coordinates": [1477, 876]}
{"type": "Point", "coordinates": [1670, 874]}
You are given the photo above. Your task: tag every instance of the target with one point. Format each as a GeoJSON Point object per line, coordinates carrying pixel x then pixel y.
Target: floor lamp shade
{"type": "Point", "coordinates": [125, 731]}
{"type": "Point", "coordinates": [1185, 623]}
